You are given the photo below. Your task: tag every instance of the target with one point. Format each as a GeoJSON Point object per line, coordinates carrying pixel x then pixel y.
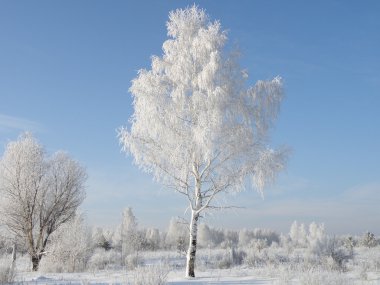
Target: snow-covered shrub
{"type": "Point", "coordinates": [209, 237]}
{"type": "Point", "coordinates": [255, 258]}
{"type": "Point", "coordinates": [317, 276]}
{"type": "Point", "coordinates": [153, 239]}
{"type": "Point", "coordinates": [133, 261]}
{"type": "Point", "coordinates": [330, 252]}
{"type": "Point", "coordinates": [276, 256]}
{"type": "Point", "coordinates": [231, 257]}
{"type": "Point", "coordinates": [225, 262]}
{"type": "Point", "coordinates": [266, 234]}
{"type": "Point", "coordinates": [247, 236]}
{"type": "Point", "coordinates": [181, 246]}
{"type": "Point", "coordinates": [260, 255]}
{"type": "Point", "coordinates": [151, 275]}
{"type": "Point", "coordinates": [209, 258]}
{"type": "Point", "coordinates": [102, 259]}
{"type": "Point", "coordinates": [284, 276]}
{"type": "Point", "coordinates": [205, 236]}
{"type": "Point", "coordinates": [101, 239]}
{"type": "Point", "coordinates": [238, 256]}
{"type": "Point", "coordinates": [369, 240]}
{"type": "Point", "coordinates": [231, 239]}
{"type": "Point", "coordinates": [368, 259]}
{"type": "Point", "coordinates": [217, 236]}
{"type": "Point", "coordinates": [259, 244]}
{"type": "Point", "coordinates": [219, 258]}
{"type": "Point", "coordinates": [364, 268]}
{"type": "Point", "coordinates": [177, 231]}
{"type": "Point", "coordinates": [70, 248]}
{"type": "Point", "coordinates": [349, 243]}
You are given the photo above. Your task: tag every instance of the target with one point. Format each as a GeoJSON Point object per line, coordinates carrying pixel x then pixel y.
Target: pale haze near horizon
{"type": "Point", "coordinates": [66, 68]}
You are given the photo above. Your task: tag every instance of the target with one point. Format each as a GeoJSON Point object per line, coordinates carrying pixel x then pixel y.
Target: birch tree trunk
{"type": "Point", "coordinates": [191, 252]}
{"type": "Point", "coordinates": [13, 264]}
{"type": "Point", "coordinates": [195, 212]}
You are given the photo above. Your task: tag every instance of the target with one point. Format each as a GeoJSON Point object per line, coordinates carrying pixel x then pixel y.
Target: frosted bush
{"type": "Point", "coordinates": [215, 259]}
{"type": "Point", "coordinates": [225, 263]}
{"type": "Point", "coordinates": [349, 244]}
{"type": "Point", "coordinates": [363, 270]}
{"type": "Point", "coordinates": [69, 249]}
{"type": "Point", "coordinates": [256, 259]}
{"type": "Point", "coordinates": [285, 276]}
{"type": "Point", "coordinates": [151, 275]}
{"type": "Point", "coordinates": [231, 257]}
{"type": "Point", "coordinates": [102, 259]}
{"type": "Point", "coordinates": [101, 239]}
{"type": "Point", "coordinates": [209, 259]}
{"type": "Point", "coordinates": [259, 244]}
{"type": "Point", "coordinates": [220, 258]}
{"type": "Point", "coordinates": [133, 261]}
{"type": "Point", "coordinates": [263, 236]}
{"type": "Point", "coordinates": [320, 277]}
{"type": "Point", "coordinates": [177, 233]}
{"type": "Point", "coordinates": [257, 256]}
{"type": "Point", "coordinates": [205, 237]}
{"type": "Point", "coordinates": [329, 252]}
{"type": "Point", "coordinates": [369, 240]}
{"type": "Point", "coordinates": [276, 256]}
{"type": "Point", "coordinates": [368, 256]}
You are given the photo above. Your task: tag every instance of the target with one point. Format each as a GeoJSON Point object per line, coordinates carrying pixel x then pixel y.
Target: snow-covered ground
{"type": "Point", "coordinates": [357, 273]}
{"type": "Point", "coordinates": [220, 276]}
{"type": "Point", "coordinates": [121, 277]}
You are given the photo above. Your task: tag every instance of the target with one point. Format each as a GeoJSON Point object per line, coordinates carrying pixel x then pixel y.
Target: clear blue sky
{"type": "Point", "coordinates": [66, 66]}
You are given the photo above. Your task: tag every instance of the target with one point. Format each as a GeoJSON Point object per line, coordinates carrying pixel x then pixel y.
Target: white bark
{"type": "Point", "coordinates": [191, 252]}
{"type": "Point", "coordinates": [196, 209]}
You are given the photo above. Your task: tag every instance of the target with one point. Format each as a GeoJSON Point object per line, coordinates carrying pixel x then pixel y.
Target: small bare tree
{"type": "Point", "coordinates": [38, 193]}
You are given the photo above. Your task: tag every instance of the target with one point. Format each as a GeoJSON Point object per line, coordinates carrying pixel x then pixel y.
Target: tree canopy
{"type": "Point", "coordinates": [38, 193]}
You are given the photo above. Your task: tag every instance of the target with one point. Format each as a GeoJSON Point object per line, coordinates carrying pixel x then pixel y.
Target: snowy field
{"type": "Point", "coordinates": [363, 269]}
{"type": "Point", "coordinates": [306, 255]}
{"type": "Point", "coordinates": [220, 276]}
{"type": "Point", "coordinates": [120, 277]}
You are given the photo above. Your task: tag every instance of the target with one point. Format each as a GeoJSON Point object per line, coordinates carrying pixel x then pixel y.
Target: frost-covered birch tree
{"type": "Point", "coordinates": [197, 126]}
{"type": "Point", "coordinates": [129, 234]}
{"type": "Point", "coordinates": [38, 193]}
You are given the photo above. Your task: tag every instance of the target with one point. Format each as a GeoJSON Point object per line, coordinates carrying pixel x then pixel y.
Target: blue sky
{"type": "Point", "coordinates": [66, 66]}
